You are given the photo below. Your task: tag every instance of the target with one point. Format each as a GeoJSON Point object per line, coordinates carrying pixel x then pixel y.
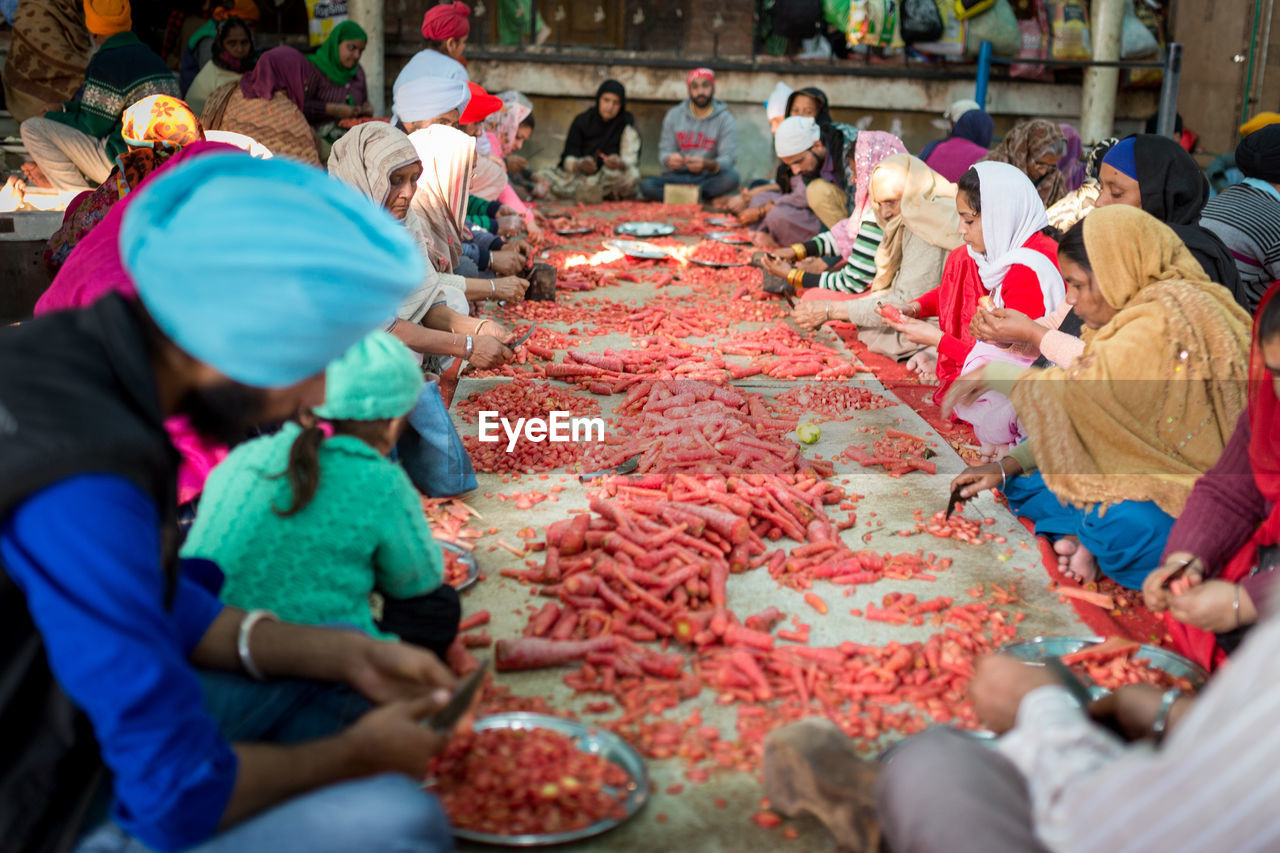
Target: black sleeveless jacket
{"type": "Point", "coordinates": [77, 395]}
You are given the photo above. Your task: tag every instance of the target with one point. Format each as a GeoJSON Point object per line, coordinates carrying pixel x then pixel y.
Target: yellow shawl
{"type": "Point", "coordinates": [1152, 401]}
{"type": "Point", "coordinates": [928, 211]}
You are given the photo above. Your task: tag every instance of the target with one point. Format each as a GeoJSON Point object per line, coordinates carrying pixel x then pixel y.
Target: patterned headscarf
{"type": "Point", "coordinates": [1028, 142]}
{"type": "Point", "coordinates": [161, 122]}
{"type": "Point", "coordinates": [872, 147]}
{"type": "Point", "coordinates": [366, 155]}
{"type": "Point", "coordinates": [506, 121]}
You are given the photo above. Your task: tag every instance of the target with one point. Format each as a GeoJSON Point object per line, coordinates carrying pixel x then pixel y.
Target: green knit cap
{"type": "Point", "coordinates": [377, 378]}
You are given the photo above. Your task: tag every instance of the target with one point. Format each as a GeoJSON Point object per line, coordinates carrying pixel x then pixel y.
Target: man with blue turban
{"type": "Point", "coordinates": [116, 655]}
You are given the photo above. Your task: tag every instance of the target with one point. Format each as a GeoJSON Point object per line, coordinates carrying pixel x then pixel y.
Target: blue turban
{"type": "Point", "coordinates": [265, 270]}
{"type": "Point", "coordinates": [1123, 157]}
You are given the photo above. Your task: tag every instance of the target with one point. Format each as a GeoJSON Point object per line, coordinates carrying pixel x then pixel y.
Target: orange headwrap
{"type": "Point", "coordinates": [245, 10]}
{"type": "Point", "coordinates": [107, 17]}
{"type": "Point", "coordinates": [161, 122]}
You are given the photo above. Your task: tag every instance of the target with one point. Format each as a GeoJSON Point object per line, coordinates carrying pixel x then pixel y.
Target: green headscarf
{"type": "Point", "coordinates": [326, 56]}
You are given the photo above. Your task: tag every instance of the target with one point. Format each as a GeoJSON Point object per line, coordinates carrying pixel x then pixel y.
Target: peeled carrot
{"type": "Point", "coordinates": [1097, 599]}
{"type": "Point", "coordinates": [815, 602]}
{"type": "Point", "coordinates": [538, 653]}
{"type": "Point", "coordinates": [475, 620]}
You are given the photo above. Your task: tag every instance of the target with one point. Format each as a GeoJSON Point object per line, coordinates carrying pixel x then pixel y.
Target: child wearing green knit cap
{"type": "Point", "coordinates": [308, 526]}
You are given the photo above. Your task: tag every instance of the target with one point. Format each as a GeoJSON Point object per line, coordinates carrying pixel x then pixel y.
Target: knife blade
{"type": "Point", "coordinates": [625, 467]}
{"type": "Point", "coordinates": [951, 504]}
{"type": "Point", "coordinates": [443, 720]}
{"type": "Point", "coordinates": [518, 341]}
{"type": "Point", "coordinates": [1070, 681]}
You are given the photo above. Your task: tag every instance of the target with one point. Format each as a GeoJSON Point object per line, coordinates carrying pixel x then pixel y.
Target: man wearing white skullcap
{"type": "Point", "coordinates": [425, 101]}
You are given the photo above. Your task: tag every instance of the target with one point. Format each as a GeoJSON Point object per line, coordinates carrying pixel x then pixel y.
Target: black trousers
{"type": "Point", "coordinates": [429, 621]}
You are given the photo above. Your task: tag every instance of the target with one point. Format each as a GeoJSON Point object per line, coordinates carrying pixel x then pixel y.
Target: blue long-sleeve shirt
{"type": "Point", "coordinates": [85, 552]}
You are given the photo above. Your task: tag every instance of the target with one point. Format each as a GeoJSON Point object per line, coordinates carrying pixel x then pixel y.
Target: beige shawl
{"type": "Point", "coordinates": [928, 211]}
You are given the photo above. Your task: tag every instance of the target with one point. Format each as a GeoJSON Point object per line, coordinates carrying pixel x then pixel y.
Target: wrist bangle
{"type": "Point", "coordinates": [1161, 723]}
{"type": "Point", "coordinates": [1004, 477]}
{"type": "Point", "coordinates": [479, 326]}
{"type": "Point", "coordinates": [798, 248]}
{"type": "Point", "coordinates": [493, 288]}
{"type": "Point", "coordinates": [828, 310]}
{"type": "Point", "coordinates": [466, 353]}
{"type": "Point", "coordinates": [253, 617]}
{"type": "Point", "coordinates": [1235, 605]}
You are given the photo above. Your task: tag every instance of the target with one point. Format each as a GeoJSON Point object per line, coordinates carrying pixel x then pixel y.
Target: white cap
{"type": "Point", "coordinates": [959, 108]}
{"type": "Point", "coordinates": [795, 135]}
{"type": "Point", "coordinates": [776, 106]}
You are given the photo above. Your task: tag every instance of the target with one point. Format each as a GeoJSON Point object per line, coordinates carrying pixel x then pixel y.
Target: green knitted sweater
{"type": "Point", "coordinates": [364, 531]}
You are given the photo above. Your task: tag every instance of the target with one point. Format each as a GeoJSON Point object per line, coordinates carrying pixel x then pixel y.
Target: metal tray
{"type": "Point", "coordinates": [645, 229]}
{"type": "Point", "coordinates": [716, 264]}
{"type": "Point", "coordinates": [721, 221]}
{"type": "Point", "coordinates": [638, 249]}
{"type": "Point", "coordinates": [571, 232]}
{"type": "Point", "coordinates": [733, 238]}
{"type": "Point", "coordinates": [467, 558]}
{"type": "Point", "coordinates": [588, 739]}
{"type": "Point", "coordinates": [1038, 648]}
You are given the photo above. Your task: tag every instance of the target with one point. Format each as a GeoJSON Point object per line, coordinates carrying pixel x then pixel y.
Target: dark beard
{"type": "Point", "coordinates": [701, 101]}
{"type": "Point", "coordinates": [225, 413]}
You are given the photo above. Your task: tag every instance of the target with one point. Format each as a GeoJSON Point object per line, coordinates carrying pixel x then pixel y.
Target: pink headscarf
{"type": "Point", "coordinates": [870, 148]}
{"type": "Point", "coordinates": [94, 269]}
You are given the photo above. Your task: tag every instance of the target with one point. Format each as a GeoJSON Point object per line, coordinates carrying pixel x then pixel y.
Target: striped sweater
{"type": "Point", "coordinates": [122, 72]}
{"type": "Point", "coordinates": [1246, 217]}
{"type": "Point", "coordinates": [860, 267]}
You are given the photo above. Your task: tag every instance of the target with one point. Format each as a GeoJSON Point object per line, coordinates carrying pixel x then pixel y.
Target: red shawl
{"type": "Point", "coordinates": [958, 296]}
{"type": "Point", "coordinates": [1264, 459]}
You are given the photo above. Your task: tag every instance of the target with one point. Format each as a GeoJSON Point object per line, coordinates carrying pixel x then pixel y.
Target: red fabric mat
{"type": "Point", "coordinates": [1129, 619]}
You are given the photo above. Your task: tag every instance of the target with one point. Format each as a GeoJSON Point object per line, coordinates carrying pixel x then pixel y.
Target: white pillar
{"type": "Point", "coordinates": [368, 14]}
{"type": "Point", "coordinates": [1098, 105]}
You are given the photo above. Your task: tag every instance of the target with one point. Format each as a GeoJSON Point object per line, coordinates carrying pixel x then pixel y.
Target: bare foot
{"type": "Point", "coordinates": [36, 176]}
{"type": "Point", "coordinates": [762, 240]}
{"type": "Point", "coordinates": [1075, 561]}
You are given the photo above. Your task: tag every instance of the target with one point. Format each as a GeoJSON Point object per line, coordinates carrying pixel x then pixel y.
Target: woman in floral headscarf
{"type": "Point", "coordinates": [153, 128]}
{"type": "Point", "coordinates": [856, 239]}
{"type": "Point", "coordinates": [1036, 147]}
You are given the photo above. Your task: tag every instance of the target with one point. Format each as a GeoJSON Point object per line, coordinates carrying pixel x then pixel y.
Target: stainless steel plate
{"type": "Point", "coordinates": [645, 229]}
{"type": "Point", "coordinates": [733, 238]}
{"type": "Point", "coordinates": [466, 558]}
{"type": "Point", "coordinates": [716, 264]}
{"type": "Point", "coordinates": [588, 739]}
{"type": "Point", "coordinates": [1038, 648]}
{"type": "Point", "coordinates": [721, 221]}
{"type": "Point", "coordinates": [638, 249]}
{"type": "Point", "coordinates": [570, 232]}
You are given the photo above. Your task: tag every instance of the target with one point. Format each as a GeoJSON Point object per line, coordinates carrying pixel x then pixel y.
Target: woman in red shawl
{"type": "Point", "coordinates": [94, 269]}
{"type": "Point", "coordinates": [1223, 547]}
{"type": "Point", "coordinates": [267, 104]}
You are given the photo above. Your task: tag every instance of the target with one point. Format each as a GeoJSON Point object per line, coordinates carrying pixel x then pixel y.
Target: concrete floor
{"type": "Point", "coordinates": [690, 821]}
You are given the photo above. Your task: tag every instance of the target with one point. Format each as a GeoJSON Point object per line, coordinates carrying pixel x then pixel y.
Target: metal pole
{"type": "Point", "coordinates": [1098, 111]}
{"type": "Point", "coordinates": [369, 15]}
{"type": "Point", "coordinates": [1166, 123]}
{"type": "Point", "coordinates": [533, 21]}
{"type": "Point", "coordinates": [984, 75]}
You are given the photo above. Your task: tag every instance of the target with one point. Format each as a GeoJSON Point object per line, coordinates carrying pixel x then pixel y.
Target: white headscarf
{"type": "Point", "coordinates": [1012, 213]}
{"type": "Point", "coordinates": [425, 98]}
{"type": "Point", "coordinates": [448, 158]}
{"type": "Point", "coordinates": [776, 106]}
{"type": "Point", "coordinates": [796, 135]}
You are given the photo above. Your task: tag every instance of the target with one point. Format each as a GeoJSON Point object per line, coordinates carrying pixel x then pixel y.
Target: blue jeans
{"type": "Point", "coordinates": [721, 183]}
{"type": "Point", "coordinates": [388, 812]}
{"type": "Point", "coordinates": [1127, 540]}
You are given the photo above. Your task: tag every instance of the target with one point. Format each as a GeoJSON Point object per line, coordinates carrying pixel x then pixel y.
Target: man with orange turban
{"type": "Point", "coordinates": [75, 146]}
{"type": "Point", "coordinates": [445, 27]}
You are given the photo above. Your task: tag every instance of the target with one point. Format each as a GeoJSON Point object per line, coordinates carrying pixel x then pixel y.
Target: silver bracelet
{"type": "Point", "coordinates": [1004, 478]}
{"type": "Point", "coordinates": [1235, 605]}
{"type": "Point", "coordinates": [253, 617]}
{"type": "Point", "coordinates": [467, 351]}
{"type": "Point", "coordinates": [493, 288]}
{"type": "Point", "coordinates": [1161, 722]}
